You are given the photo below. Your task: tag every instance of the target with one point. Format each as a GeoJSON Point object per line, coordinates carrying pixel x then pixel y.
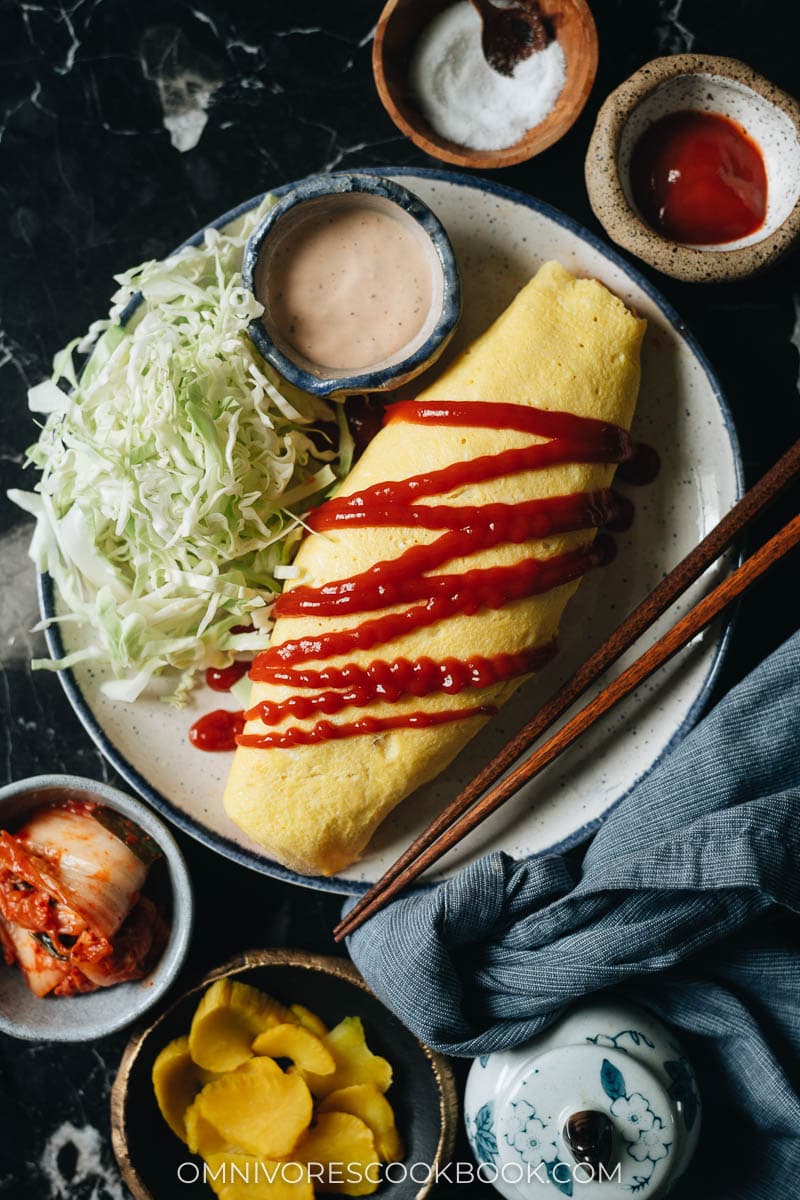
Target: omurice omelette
{"type": "Point", "coordinates": [435, 579]}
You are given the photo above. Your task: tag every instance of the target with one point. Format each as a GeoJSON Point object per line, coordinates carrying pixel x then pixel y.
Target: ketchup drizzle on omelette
{"type": "Point", "coordinates": [410, 579]}
{"type": "Point", "coordinates": [222, 679]}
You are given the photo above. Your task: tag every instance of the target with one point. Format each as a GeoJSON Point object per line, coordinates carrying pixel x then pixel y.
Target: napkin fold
{"type": "Point", "coordinates": [687, 901]}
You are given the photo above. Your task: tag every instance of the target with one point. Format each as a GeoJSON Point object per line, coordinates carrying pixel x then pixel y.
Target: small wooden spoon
{"type": "Point", "coordinates": [512, 31]}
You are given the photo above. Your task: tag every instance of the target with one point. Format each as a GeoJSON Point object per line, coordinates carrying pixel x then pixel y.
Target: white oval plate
{"type": "Point", "coordinates": [501, 237]}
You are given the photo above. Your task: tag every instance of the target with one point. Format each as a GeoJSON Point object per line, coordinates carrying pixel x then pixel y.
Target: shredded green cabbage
{"type": "Point", "coordinates": [173, 474]}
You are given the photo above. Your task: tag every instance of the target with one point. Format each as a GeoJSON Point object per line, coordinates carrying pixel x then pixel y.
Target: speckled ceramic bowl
{"type": "Point", "coordinates": [155, 1165]}
{"type": "Point", "coordinates": [86, 1018]}
{"type": "Point", "coordinates": [710, 84]}
{"type": "Point", "coordinates": [319, 192]}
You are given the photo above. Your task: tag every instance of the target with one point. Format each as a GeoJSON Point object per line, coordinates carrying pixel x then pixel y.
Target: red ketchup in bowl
{"type": "Point", "coordinates": [698, 178]}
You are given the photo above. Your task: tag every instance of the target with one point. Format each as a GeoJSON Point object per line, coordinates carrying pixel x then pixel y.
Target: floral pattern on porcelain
{"type": "Point", "coordinates": [633, 1112]}
{"type": "Point", "coordinates": [683, 1087]}
{"type": "Point", "coordinates": [537, 1143]}
{"type": "Point", "coordinates": [481, 1134]}
{"type": "Point", "coordinates": [647, 1138]}
{"type": "Point", "coordinates": [636, 1036]}
{"type": "Point", "coordinates": [609, 1056]}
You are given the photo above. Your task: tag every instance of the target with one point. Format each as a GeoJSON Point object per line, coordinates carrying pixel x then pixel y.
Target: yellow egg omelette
{"type": "Point", "coordinates": [564, 345]}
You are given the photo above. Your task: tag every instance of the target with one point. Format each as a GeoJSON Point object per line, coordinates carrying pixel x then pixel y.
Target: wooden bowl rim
{"type": "Point", "coordinates": [328, 964]}
{"type": "Point", "coordinates": [537, 139]}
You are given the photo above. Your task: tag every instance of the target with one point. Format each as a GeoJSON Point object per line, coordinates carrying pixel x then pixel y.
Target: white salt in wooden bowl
{"type": "Point", "coordinates": [396, 35]}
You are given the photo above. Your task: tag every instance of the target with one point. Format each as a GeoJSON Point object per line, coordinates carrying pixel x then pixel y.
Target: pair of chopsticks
{"type": "Point", "coordinates": [467, 811]}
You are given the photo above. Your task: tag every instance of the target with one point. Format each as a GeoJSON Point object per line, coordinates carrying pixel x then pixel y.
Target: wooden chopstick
{"type": "Point", "coordinates": [656, 656]}
{"type": "Point", "coordinates": [652, 607]}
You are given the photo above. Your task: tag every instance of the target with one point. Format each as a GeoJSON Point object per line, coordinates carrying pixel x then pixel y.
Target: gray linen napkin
{"type": "Point", "coordinates": [687, 900]}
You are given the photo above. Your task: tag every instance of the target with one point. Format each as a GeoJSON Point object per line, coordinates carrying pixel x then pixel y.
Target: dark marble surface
{"type": "Point", "coordinates": [124, 126]}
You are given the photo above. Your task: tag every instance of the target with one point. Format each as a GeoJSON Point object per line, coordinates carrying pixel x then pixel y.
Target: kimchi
{"type": "Point", "coordinates": [72, 914]}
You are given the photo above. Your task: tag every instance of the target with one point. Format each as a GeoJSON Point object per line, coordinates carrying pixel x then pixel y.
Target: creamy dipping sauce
{"type": "Point", "coordinates": [347, 285]}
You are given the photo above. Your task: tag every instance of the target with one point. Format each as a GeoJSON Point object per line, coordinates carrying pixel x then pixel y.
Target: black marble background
{"type": "Point", "coordinates": [100, 107]}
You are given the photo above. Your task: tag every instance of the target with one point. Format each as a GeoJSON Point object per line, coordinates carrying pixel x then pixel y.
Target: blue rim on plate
{"type": "Point", "coordinates": [258, 862]}
{"type": "Point", "coordinates": [367, 380]}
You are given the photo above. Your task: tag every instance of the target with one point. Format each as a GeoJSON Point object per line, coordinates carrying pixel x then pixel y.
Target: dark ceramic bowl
{"type": "Point", "coordinates": [423, 1093]}
{"type": "Point", "coordinates": [411, 360]}
{"type": "Point", "coordinates": [96, 1014]}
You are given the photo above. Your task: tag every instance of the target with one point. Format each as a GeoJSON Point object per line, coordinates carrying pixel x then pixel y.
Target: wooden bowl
{"type": "Point", "coordinates": [155, 1165]}
{"type": "Point", "coordinates": [398, 29]}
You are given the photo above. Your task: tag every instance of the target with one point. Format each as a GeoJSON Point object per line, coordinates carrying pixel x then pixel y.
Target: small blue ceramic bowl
{"type": "Point", "coordinates": [87, 1017]}
{"type": "Point", "coordinates": [410, 360]}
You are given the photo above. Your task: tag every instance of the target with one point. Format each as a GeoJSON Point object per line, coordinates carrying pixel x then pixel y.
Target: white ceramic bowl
{"type": "Point", "coordinates": [88, 1017]}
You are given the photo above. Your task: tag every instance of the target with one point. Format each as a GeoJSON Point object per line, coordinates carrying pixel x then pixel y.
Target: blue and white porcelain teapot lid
{"type": "Point", "coordinates": [603, 1105]}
